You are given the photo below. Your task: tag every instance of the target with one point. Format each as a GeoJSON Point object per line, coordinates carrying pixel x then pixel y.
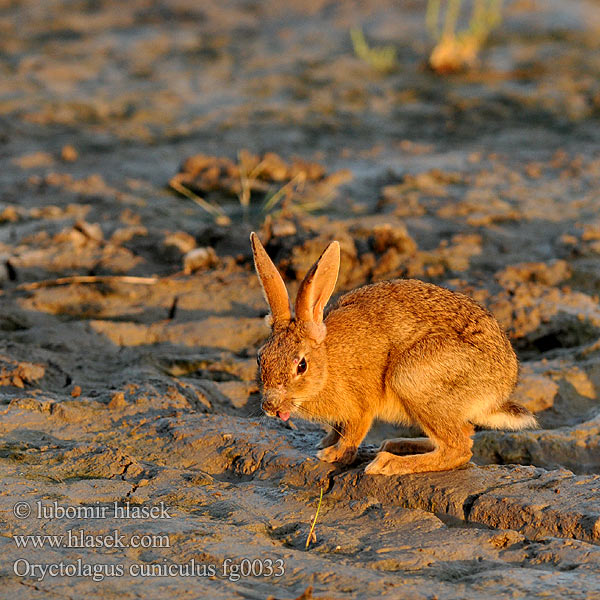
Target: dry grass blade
{"type": "Point", "coordinates": [215, 211]}
{"type": "Point", "coordinates": [380, 58]}
{"type": "Point", "coordinates": [88, 279]}
{"type": "Point", "coordinates": [247, 177]}
{"type": "Point", "coordinates": [322, 194]}
{"type": "Point", "coordinates": [285, 190]}
{"type": "Point", "coordinates": [311, 534]}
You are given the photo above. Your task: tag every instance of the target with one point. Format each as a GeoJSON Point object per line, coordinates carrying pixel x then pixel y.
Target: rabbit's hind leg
{"type": "Point", "coordinates": [407, 446]}
{"type": "Point", "coordinates": [434, 382]}
{"type": "Point", "coordinates": [442, 458]}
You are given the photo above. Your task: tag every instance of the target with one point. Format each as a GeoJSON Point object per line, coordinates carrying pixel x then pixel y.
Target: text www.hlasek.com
{"type": "Point", "coordinates": [78, 538]}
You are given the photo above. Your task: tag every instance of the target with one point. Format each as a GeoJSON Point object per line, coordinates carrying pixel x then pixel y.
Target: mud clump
{"type": "Point", "coordinates": [19, 374]}
{"type": "Point", "coordinates": [203, 174]}
{"type": "Point", "coordinates": [294, 184]}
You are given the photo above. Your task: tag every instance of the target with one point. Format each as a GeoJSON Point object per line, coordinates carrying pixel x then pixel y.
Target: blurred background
{"type": "Point", "coordinates": [382, 88]}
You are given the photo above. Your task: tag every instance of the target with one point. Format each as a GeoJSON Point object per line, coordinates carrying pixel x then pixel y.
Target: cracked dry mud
{"type": "Point", "coordinates": [138, 386]}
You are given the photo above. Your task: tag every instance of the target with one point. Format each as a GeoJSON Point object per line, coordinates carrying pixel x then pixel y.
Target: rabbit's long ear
{"type": "Point", "coordinates": [317, 286]}
{"type": "Point", "coordinates": [273, 287]}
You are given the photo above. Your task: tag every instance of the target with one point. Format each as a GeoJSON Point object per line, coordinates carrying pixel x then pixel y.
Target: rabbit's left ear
{"type": "Point", "coordinates": [316, 289]}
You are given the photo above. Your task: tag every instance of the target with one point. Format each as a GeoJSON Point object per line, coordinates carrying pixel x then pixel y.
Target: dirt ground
{"type": "Point", "coordinates": [130, 384]}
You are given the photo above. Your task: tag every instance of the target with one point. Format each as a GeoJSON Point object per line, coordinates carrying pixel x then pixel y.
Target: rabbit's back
{"type": "Point", "coordinates": [390, 316]}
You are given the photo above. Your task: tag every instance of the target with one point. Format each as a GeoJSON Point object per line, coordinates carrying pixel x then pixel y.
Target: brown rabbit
{"type": "Point", "coordinates": [402, 351]}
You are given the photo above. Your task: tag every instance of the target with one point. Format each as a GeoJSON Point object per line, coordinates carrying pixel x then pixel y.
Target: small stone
{"type": "Point", "coordinates": [10, 214]}
{"type": "Point", "coordinates": [19, 373]}
{"type": "Point", "coordinates": [283, 228]}
{"type": "Point", "coordinates": [92, 231]}
{"type": "Point", "coordinates": [591, 232]}
{"type": "Point", "coordinates": [117, 401]}
{"type": "Point", "coordinates": [506, 539]}
{"type": "Point", "coordinates": [385, 237]}
{"type": "Point", "coordinates": [199, 258]}
{"type": "Point", "coordinates": [569, 240]}
{"type": "Point", "coordinates": [124, 234]}
{"type": "Point", "coordinates": [69, 154]}
{"type": "Point", "coordinates": [182, 241]}
{"type": "Point", "coordinates": [34, 160]}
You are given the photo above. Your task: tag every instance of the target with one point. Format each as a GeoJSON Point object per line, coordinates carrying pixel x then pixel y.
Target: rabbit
{"type": "Point", "coordinates": [402, 351]}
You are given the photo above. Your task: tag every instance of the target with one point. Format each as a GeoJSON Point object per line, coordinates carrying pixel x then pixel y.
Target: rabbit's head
{"type": "Point", "coordinates": [292, 364]}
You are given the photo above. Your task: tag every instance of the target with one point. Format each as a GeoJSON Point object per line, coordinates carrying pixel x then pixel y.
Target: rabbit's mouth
{"type": "Point", "coordinates": [284, 415]}
{"type": "Point", "coordinates": [277, 408]}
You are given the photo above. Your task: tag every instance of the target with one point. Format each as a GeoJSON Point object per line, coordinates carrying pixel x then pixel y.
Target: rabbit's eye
{"type": "Point", "coordinates": [301, 366]}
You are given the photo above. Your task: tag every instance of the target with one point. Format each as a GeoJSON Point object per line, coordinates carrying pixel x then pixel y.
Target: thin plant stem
{"type": "Point", "coordinates": [312, 527]}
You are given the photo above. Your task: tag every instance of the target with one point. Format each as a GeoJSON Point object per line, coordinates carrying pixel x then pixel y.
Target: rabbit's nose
{"type": "Point", "coordinates": [269, 407]}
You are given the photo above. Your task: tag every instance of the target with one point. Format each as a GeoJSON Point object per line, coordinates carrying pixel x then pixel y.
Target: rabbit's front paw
{"type": "Point", "coordinates": [329, 440]}
{"type": "Point", "coordinates": [337, 454]}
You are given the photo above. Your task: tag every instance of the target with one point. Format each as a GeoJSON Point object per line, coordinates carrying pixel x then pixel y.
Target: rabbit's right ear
{"type": "Point", "coordinates": [316, 289]}
{"type": "Point", "coordinates": [273, 287]}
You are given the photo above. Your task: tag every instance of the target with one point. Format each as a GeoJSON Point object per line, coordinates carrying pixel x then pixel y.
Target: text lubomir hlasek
{"type": "Point", "coordinates": [54, 510]}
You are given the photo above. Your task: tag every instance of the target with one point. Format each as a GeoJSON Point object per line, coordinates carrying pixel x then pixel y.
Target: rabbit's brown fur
{"type": "Point", "coordinates": [403, 351]}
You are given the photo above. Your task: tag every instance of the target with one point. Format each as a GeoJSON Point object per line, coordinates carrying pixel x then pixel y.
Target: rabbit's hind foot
{"type": "Point", "coordinates": [440, 459]}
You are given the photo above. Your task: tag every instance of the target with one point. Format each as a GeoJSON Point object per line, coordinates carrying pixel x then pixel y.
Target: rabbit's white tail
{"type": "Point", "coordinates": [509, 416]}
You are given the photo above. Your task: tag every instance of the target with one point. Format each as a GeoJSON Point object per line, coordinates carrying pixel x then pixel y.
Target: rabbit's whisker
{"type": "Point", "coordinates": [255, 414]}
